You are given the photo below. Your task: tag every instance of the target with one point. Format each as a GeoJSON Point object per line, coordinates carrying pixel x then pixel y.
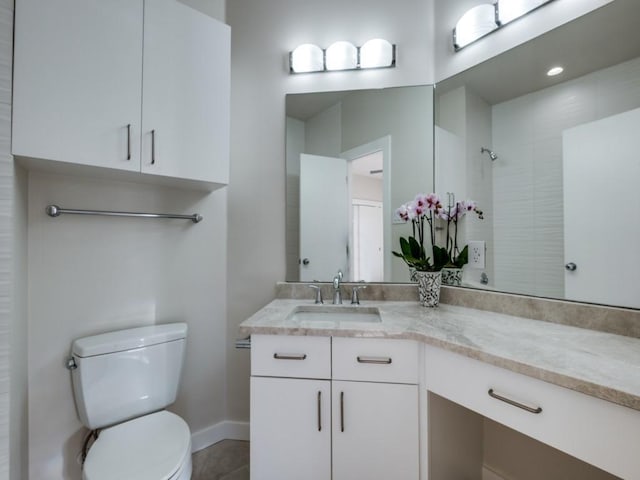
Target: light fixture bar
{"type": "Point", "coordinates": [342, 56]}
{"type": "Point", "coordinates": [486, 18]}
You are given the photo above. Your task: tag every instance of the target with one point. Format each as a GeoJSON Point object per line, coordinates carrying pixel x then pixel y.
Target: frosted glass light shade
{"type": "Point", "coordinates": [475, 23]}
{"type": "Point", "coordinates": [509, 10]}
{"type": "Point", "coordinates": [342, 56]}
{"type": "Point", "coordinates": [377, 53]}
{"type": "Point", "coordinates": [307, 58]}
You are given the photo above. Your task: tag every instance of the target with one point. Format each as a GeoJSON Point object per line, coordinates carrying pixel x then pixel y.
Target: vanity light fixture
{"type": "Point", "coordinates": [555, 71]}
{"type": "Point", "coordinates": [483, 19]}
{"type": "Point", "coordinates": [342, 55]}
{"type": "Point", "coordinates": [307, 58]}
{"type": "Point", "coordinates": [474, 24]}
{"type": "Point", "coordinates": [509, 10]}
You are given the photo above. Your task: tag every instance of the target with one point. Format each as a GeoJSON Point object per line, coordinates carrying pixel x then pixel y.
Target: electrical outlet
{"type": "Point", "coordinates": [476, 254]}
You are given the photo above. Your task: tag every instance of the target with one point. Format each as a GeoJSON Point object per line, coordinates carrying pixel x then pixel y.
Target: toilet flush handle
{"type": "Point", "coordinates": [71, 363]}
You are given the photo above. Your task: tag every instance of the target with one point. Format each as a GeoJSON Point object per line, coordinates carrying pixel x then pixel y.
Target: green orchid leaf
{"type": "Point", "coordinates": [463, 257]}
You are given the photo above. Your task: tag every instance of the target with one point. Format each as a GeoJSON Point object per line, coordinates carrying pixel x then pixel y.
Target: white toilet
{"type": "Point", "coordinates": [122, 381]}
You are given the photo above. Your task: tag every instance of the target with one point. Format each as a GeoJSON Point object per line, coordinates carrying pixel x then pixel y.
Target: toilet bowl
{"type": "Point", "coordinates": [122, 381]}
{"type": "Point", "coordinates": [154, 447]}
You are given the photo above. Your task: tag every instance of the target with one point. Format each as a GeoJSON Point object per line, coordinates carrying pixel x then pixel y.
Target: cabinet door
{"type": "Point", "coordinates": [375, 431]}
{"type": "Point", "coordinates": [185, 104]}
{"type": "Point", "coordinates": [77, 77]}
{"type": "Point", "coordinates": [290, 429]}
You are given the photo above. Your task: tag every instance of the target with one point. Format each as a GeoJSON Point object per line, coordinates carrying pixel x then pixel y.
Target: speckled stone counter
{"type": "Point", "coordinates": [596, 363]}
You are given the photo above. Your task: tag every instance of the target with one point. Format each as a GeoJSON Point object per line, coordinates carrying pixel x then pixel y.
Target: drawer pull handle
{"type": "Point", "coordinates": [376, 360]}
{"type": "Point", "coordinates": [319, 411]}
{"type": "Point", "coordinates": [279, 356]}
{"type": "Point", "coordinates": [342, 411]}
{"type": "Point", "coordinates": [514, 403]}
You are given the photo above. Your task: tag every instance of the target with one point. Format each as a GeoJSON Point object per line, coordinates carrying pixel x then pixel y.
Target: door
{"type": "Point", "coordinates": [185, 103]}
{"type": "Point", "coordinates": [77, 77]}
{"type": "Point", "coordinates": [368, 257]}
{"type": "Point", "coordinates": [375, 432]}
{"type": "Point", "coordinates": [324, 217]}
{"type": "Point", "coordinates": [602, 233]}
{"type": "Point", "coordinates": [290, 429]}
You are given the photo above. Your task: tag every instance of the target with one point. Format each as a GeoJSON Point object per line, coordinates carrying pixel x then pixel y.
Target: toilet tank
{"type": "Point", "coordinates": [128, 373]}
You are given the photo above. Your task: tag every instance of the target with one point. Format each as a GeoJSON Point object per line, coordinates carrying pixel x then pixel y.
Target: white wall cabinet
{"type": "Point", "coordinates": [358, 425]}
{"type": "Point", "coordinates": [127, 85]}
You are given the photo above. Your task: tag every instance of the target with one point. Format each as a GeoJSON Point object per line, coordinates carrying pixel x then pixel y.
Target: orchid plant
{"type": "Point", "coordinates": [452, 215]}
{"type": "Point", "coordinates": [423, 209]}
{"type": "Point", "coordinates": [428, 209]}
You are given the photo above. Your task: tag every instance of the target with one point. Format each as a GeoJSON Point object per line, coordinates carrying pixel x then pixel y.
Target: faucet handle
{"type": "Point", "coordinates": [318, 293]}
{"type": "Point", "coordinates": [355, 299]}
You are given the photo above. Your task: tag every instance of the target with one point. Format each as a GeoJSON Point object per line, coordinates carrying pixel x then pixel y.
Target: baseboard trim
{"type": "Point", "coordinates": [488, 474]}
{"type": "Point", "coordinates": [225, 430]}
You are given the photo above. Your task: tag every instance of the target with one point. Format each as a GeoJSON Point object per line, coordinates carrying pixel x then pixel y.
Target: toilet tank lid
{"type": "Point", "coordinates": [129, 339]}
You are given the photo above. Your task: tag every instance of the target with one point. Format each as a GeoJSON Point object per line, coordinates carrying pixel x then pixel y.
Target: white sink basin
{"type": "Point", "coordinates": [335, 313]}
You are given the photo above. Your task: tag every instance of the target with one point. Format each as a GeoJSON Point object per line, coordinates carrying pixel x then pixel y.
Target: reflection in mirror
{"type": "Point", "coordinates": [554, 161]}
{"type": "Point", "coordinates": [351, 158]}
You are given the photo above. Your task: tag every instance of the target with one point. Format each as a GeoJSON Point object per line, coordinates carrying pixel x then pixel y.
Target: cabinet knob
{"type": "Point", "coordinates": [571, 267]}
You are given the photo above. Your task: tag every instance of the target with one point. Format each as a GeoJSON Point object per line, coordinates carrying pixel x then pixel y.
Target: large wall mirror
{"type": "Point", "coordinates": [554, 163]}
{"type": "Point", "coordinates": [352, 158]}
{"type": "Point", "coordinates": [553, 160]}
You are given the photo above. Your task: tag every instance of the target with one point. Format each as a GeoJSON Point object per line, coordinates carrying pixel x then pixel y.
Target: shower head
{"type": "Point", "coordinates": [491, 153]}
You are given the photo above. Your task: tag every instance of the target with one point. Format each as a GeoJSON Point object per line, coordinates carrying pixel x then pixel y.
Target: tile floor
{"type": "Point", "coordinates": [226, 460]}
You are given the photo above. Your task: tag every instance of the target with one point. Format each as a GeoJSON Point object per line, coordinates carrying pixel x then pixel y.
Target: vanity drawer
{"type": "Point", "coordinates": [291, 356]}
{"type": "Point", "coordinates": [375, 360]}
{"type": "Point", "coordinates": [596, 431]}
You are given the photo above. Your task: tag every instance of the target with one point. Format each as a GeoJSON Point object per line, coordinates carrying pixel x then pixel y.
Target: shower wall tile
{"type": "Point", "coordinates": [527, 177]}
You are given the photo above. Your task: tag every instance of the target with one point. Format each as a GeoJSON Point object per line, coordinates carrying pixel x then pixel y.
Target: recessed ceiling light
{"type": "Point", "coordinates": [555, 71]}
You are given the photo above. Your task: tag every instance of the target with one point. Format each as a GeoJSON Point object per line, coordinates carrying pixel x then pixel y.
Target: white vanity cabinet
{"type": "Point", "coordinates": [128, 85]}
{"type": "Point", "coordinates": [593, 430]}
{"type": "Point", "coordinates": [334, 408]}
{"type": "Point", "coordinates": [290, 407]}
{"type": "Point", "coordinates": [375, 409]}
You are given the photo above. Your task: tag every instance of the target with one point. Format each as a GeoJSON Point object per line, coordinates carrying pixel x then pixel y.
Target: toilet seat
{"type": "Point", "coordinates": [154, 447]}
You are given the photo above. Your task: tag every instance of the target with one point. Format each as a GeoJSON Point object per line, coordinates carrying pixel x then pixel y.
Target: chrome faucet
{"type": "Point", "coordinates": [355, 298]}
{"type": "Point", "coordinates": [337, 294]}
{"type": "Point", "coordinates": [318, 293]}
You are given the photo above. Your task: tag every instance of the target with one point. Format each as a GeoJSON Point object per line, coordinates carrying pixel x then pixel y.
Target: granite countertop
{"type": "Point", "coordinates": [599, 364]}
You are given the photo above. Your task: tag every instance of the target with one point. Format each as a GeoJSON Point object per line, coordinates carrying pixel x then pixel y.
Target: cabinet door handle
{"type": "Point", "coordinates": [342, 411]}
{"type": "Point", "coordinates": [129, 141]}
{"type": "Point", "coordinates": [153, 147]}
{"type": "Point", "coordinates": [280, 356]}
{"type": "Point", "coordinates": [376, 360]}
{"type": "Point", "coordinates": [319, 411]}
{"type": "Point", "coordinates": [514, 403]}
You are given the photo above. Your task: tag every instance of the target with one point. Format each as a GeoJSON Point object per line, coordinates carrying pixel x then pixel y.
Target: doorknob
{"type": "Point", "coordinates": [305, 261]}
{"type": "Point", "coordinates": [571, 266]}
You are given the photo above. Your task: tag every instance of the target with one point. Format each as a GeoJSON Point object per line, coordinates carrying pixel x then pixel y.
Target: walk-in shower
{"type": "Point", "coordinates": [491, 153]}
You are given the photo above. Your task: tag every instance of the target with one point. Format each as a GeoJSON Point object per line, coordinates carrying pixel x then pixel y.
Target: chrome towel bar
{"type": "Point", "coordinates": [55, 211]}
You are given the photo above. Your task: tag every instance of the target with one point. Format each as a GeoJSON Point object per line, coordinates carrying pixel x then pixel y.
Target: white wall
{"type": "Point", "coordinates": [262, 35]}
{"type": "Point", "coordinates": [447, 62]}
{"type": "Point", "coordinates": [527, 136]}
{"type": "Point", "coordinates": [94, 274]}
{"type": "Point", "coordinates": [13, 235]}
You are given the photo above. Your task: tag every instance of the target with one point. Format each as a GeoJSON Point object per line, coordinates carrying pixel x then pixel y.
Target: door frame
{"type": "Point", "coordinates": [383, 145]}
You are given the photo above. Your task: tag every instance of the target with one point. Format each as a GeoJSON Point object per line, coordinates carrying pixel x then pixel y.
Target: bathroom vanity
{"type": "Point", "coordinates": [344, 398]}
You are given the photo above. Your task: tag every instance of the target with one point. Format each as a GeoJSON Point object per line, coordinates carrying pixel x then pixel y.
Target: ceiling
{"type": "Point", "coordinates": [602, 38]}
